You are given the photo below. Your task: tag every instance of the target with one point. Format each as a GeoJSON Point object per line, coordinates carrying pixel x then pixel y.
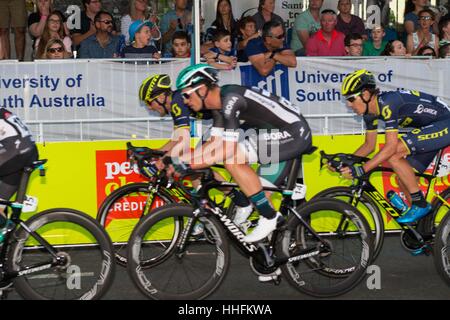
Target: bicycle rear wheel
{"type": "Point", "coordinates": [193, 273]}
{"type": "Point", "coordinates": [441, 249]}
{"type": "Point", "coordinates": [367, 207]}
{"type": "Point", "coordinates": [347, 236]}
{"type": "Point", "coordinates": [87, 267]}
{"type": "Point", "coordinates": [121, 211]}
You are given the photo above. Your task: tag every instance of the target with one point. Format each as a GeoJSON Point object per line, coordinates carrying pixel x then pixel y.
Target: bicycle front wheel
{"type": "Point", "coordinates": [121, 211]}
{"type": "Point", "coordinates": [344, 233]}
{"type": "Point", "coordinates": [81, 265]}
{"type": "Point", "coordinates": [367, 207]}
{"type": "Point", "coordinates": [441, 249]}
{"type": "Point", "coordinates": [191, 273]}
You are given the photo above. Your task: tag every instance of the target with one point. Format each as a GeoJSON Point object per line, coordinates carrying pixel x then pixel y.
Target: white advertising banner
{"type": "Point", "coordinates": [99, 99]}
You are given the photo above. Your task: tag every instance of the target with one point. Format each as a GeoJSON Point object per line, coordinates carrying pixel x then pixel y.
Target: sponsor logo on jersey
{"type": "Point", "coordinates": [279, 135]}
{"type": "Point", "coordinates": [230, 104]}
{"type": "Point", "coordinates": [421, 109]}
{"type": "Point", "coordinates": [433, 135]}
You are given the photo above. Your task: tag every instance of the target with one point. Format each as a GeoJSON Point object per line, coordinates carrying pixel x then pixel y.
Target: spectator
{"type": "Point", "coordinates": [376, 45]}
{"type": "Point", "coordinates": [423, 36]}
{"type": "Point", "coordinates": [87, 24]}
{"type": "Point", "coordinates": [348, 23]}
{"type": "Point", "coordinates": [395, 48]}
{"type": "Point", "coordinates": [54, 49]}
{"type": "Point", "coordinates": [444, 51]}
{"type": "Point", "coordinates": [444, 30]}
{"type": "Point", "coordinates": [181, 46]}
{"type": "Point", "coordinates": [103, 44]}
{"type": "Point", "coordinates": [426, 51]}
{"type": "Point", "coordinates": [265, 51]}
{"type": "Point", "coordinates": [221, 56]}
{"type": "Point", "coordinates": [327, 41]}
{"type": "Point", "coordinates": [247, 28]}
{"type": "Point", "coordinates": [12, 14]}
{"type": "Point", "coordinates": [139, 10]}
{"type": "Point", "coordinates": [140, 36]}
{"type": "Point", "coordinates": [353, 44]}
{"type": "Point", "coordinates": [54, 29]}
{"type": "Point", "coordinates": [265, 14]}
{"type": "Point", "coordinates": [412, 9]}
{"type": "Point", "coordinates": [306, 25]}
{"type": "Point", "coordinates": [178, 19]}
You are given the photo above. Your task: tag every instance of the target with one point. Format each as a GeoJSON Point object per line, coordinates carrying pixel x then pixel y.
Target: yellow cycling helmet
{"type": "Point", "coordinates": [154, 86]}
{"type": "Point", "coordinates": [357, 81]}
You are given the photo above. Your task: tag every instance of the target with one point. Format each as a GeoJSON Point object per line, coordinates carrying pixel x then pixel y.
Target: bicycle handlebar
{"type": "Point", "coordinates": [339, 160]}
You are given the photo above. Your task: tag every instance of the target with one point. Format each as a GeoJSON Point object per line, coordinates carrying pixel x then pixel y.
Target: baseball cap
{"type": "Point", "coordinates": [136, 26]}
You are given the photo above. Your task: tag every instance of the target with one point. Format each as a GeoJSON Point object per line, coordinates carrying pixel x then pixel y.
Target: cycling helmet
{"type": "Point", "coordinates": [195, 74]}
{"type": "Point", "coordinates": [357, 81]}
{"type": "Point", "coordinates": [153, 86]}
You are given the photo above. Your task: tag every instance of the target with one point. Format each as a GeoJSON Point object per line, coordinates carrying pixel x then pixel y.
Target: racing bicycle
{"type": "Point", "coordinates": [322, 247]}
{"type": "Point", "coordinates": [59, 253]}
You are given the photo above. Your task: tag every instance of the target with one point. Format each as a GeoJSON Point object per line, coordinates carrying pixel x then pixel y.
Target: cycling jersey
{"type": "Point", "coordinates": [407, 109]}
{"type": "Point", "coordinates": [182, 114]}
{"type": "Point", "coordinates": [428, 114]}
{"type": "Point", "coordinates": [17, 150]}
{"type": "Point", "coordinates": [279, 130]}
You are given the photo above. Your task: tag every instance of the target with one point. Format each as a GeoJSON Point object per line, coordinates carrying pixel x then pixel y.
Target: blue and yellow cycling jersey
{"type": "Point", "coordinates": [406, 108]}
{"type": "Point", "coordinates": [182, 114]}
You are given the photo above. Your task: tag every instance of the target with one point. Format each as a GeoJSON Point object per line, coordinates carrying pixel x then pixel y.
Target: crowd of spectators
{"type": "Point", "coordinates": [260, 38]}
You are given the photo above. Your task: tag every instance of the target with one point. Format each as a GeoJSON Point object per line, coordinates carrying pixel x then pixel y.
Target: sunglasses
{"type": "Point", "coordinates": [352, 97]}
{"type": "Point", "coordinates": [280, 37]}
{"type": "Point", "coordinates": [425, 18]}
{"type": "Point", "coordinates": [107, 22]}
{"type": "Point", "coordinates": [187, 95]}
{"type": "Point", "coordinates": [54, 50]}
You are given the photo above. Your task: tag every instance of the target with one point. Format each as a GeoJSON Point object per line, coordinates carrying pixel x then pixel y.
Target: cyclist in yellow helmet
{"type": "Point", "coordinates": [429, 117]}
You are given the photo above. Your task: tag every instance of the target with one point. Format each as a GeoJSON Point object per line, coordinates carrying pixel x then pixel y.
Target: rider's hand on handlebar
{"type": "Point", "coordinates": [352, 172]}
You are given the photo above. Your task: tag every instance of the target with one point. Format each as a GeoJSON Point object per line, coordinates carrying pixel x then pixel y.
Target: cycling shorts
{"type": "Point", "coordinates": [424, 143]}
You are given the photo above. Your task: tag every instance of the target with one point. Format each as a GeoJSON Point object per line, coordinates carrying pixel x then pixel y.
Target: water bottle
{"type": "Point", "coordinates": [396, 201]}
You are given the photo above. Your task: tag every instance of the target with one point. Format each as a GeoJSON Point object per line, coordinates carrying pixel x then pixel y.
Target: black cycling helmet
{"type": "Point", "coordinates": [154, 86]}
{"type": "Point", "coordinates": [357, 81]}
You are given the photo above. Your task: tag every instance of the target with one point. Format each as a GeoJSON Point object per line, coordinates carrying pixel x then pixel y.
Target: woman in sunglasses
{"type": "Point", "coordinates": [55, 50]}
{"type": "Point", "coordinates": [427, 115]}
{"type": "Point", "coordinates": [54, 29]}
{"type": "Point", "coordinates": [423, 36]}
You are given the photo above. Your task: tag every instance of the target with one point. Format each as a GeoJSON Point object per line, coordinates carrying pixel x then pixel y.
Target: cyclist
{"type": "Point", "coordinates": [278, 128]}
{"type": "Point", "coordinates": [156, 92]}
{"type": "Point", "coordinates": [17, 150]}
{"type": "Point", "coordinates": [427, 115]}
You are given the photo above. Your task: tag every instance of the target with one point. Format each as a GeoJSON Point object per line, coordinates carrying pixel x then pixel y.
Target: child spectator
{"type": "Point", "coordinates": [353, 44]}
{"type": "Point", "coordinates": [247, 27]}
{"type": "Point", "coordinates": [423, 36]}
{"type": "Point", "coordinates": [444, 51]}
{"type": "Point", "coordinates": [375, 46]}
{"type": "Point", "coordinates": [222, 55]}
{"type": "Point", "coordinates": [181, 46]}
{"type": "Point", "coordinates": [426, 51]}
{"type": "Point", "coordinates": [140, 36]}
{"type": "Point", "coordinates": [395, 48]}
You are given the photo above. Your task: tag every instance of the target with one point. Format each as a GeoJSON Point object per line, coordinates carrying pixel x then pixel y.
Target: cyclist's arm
{"type": "Point", "coordinates": [369, 144]}
{"type": "Point", "coordinates": [384, 154]}
{"type": "Point", "coordinates": [179, 144]}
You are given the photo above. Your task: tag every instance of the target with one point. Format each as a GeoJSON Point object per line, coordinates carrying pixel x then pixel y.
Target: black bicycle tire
{"type": "Point", "coordinates": [77, 217]}
{"type": "Point", "coordinates": [376, 214]}
{"type": "Point", "coordinates": [355, 276]}
{"type": "Point", "coordinates": [441, 247]}
{"type": "Point", "coordinates": [117, 194]}
{"type": "Point", "coordinates": [429, 221]}
{"type": "Point", "coordinates": [144, 285]}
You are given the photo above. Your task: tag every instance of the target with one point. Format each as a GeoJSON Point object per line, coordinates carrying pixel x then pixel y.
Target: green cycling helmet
{"type": "Point", "coordinates": [198, 73]}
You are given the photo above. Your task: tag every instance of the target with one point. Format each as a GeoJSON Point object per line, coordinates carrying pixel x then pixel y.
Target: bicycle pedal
{"type": "Point", "coordinates": [426, 250]}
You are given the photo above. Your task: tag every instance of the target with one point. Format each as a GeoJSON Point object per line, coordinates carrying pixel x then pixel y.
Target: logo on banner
{"type": "Point", "coordinates": [113, 172]}
{"type": "Point", "coordinates": [277, 82]}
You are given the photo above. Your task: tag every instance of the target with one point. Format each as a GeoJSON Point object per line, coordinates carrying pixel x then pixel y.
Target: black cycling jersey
{"type": "Point", "coordinates": [182, 114]}
{"type": "Point", "coordinates": [17, 149]}
{"type": "Point", "coordinates": [278, 124]}
{"type": "Point", "coordinates": [407, 109]}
